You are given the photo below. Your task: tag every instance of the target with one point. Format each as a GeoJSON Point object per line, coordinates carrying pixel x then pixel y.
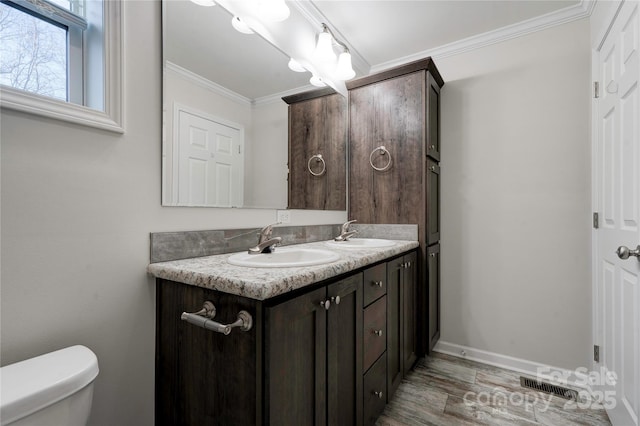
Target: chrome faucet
{"type": "Point", "coordinates": [345, 234]}
{"type": "Point", "coordinates": [266, 244]}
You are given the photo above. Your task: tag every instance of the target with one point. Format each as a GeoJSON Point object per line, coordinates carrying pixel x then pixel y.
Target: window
{"type": "Point", "coordinates": [61, 59]}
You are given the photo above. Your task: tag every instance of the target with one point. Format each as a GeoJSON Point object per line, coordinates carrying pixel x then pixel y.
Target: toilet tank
{"type": "Point", "coordinates": [54, 388]}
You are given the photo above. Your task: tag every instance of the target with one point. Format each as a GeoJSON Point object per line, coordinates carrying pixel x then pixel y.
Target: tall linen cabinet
{"type": "Point", "coordinates": [394, 169]}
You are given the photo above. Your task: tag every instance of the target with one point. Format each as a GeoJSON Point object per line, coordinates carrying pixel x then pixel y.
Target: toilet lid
{"type": "Point", "coordinates": [30, 385]}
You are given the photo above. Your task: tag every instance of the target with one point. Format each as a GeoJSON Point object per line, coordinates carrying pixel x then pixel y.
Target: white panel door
{"type": "Point", "coordinates": [211, 162]}
{"type": "Point", "coordinates": [617, 193]}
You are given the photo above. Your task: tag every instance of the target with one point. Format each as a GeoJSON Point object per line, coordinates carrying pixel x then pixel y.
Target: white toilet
{"type": "Point", "coordinates": [51, 389]}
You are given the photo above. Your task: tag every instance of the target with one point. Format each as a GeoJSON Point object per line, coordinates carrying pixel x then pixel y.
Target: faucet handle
{"type": "Point", "coordinates": [345, 226]}
{"type": "Point", "coordinates": [267, 230]}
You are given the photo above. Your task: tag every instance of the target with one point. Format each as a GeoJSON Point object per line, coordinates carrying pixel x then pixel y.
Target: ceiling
{"type": "Point", "coordinates": [381, 33]}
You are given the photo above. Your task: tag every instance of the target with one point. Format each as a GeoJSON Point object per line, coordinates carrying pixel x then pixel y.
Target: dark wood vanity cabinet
{"type": "Point", "coordinates": [316, 357]}
{"type": "Point", "coordinates": [432, 206]}
{"type": "Point", "coordinates": [313, 357]}
{"type": "Point", "coordinates": [394, 154]}
{"type": "Point", "coordinates": [204, 377]}
{"type": "Point", "coordinates": [402, 338]}
{"type": "Point", "coordinates": [434, 293]}
{"type": "Point", "coordinates": [317, 150]}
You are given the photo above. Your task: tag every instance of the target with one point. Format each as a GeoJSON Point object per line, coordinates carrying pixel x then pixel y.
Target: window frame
{"type": "Point", "coordinates": [112, 118]}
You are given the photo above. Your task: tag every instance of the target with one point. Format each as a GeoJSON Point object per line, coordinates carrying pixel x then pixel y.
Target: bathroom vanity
{"type": "Point", "coordinates": [328, 343]}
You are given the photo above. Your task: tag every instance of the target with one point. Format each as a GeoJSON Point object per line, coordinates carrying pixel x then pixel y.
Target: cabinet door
{"type": "Point", "coordinates": [433, 202]}
{"type": "Point", "coordinates": [296, 361]}
{"type": "Point", "coordinates": [394, 325]}
{"type": "Point", "coordinates": [202, 376]}
{"type": "Point", "coordinates": [344, 352]}
{"type": "Point", "coordinates": [434, 294]}
{"type": "Point", "coordinates": [409, 297]}
{"type": "Point", "coordinates": [433, 118]}
{"type": "Point", "coordinates": [318, 127]}
{"type": "Point", "coordinates": [389, 113]}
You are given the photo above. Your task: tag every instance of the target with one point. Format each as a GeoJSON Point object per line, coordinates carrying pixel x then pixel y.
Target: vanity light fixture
{"type": "Point", "coordinates": [204, 2]}
{"type": "Point", "coordinates": [295, 66]}
{"type": "Point", "coordinates": [240, 25]}
{"type": "Point", "coordinates": [324, 54]}
{"type": "Point", "coordinates": [344, 69]}
{"type": "Point", "coordinates": [317, 81]}
{"type": "Point", "coordinates": [324, 49]}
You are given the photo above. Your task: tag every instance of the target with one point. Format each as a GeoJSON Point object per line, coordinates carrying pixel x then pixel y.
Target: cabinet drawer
{"type": "Point", "coordinates": [375, 332]}
{"type": "Point", "coordinates": [375, 283]}
{"type": "Point", "coordinates": [375, 390]}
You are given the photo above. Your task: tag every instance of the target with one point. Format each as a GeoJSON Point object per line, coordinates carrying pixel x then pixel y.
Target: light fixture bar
{"type": "Point", "coordinates": [326, 28]}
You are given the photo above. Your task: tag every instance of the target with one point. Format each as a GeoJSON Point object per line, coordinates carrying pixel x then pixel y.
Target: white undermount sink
{"type": "Point", "coordinates": [284, 258]}
{"type": "Point", "coordinates": [361, 243]}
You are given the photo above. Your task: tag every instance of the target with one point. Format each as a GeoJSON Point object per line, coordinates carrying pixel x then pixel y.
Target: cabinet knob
{"type": "Point", "coordinates": [432, 147]}
{"type": "Point", "coordinates": [378, 283]}
{"type": "Point", "coordinates": [335, 299]}
{"type": "Point", "coordinates": [378, 394]}
{"type": "Point", "coordinates": [377, 332]}
{"type": "Point", "coordinates": [326, 304]}
{"type": "Point", "coordinates": [432, 168]}
{"type": "Point", "coordinates": [432, 254]}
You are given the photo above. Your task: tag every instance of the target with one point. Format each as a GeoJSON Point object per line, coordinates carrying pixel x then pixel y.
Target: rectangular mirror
{"type": "Point", "coordinates": [225, 126]}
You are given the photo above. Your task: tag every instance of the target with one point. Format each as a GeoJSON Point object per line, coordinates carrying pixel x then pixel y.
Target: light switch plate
{"type": "Point", "coordinates": [283, 216]}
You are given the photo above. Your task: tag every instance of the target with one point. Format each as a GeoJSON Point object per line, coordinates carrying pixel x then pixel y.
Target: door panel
{"type": "Point", "coordinates": [433, 301]}
{"type": "Point", "coordinates": [344, 352]}
{"type": "Point", "coordinates": [296, 361]}
{"type": "Point", "coordinates": [409, 310]}
{"type": "Point", "coordinates": [210, 162]}
{"type": "Point", "coordinates": [617, 154]}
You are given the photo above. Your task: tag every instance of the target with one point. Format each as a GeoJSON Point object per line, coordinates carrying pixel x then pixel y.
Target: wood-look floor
{"type": "Point", "coordinates": [446, 390]}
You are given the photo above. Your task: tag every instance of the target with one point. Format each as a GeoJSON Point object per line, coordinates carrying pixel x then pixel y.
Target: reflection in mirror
{"type": "Point", "coordinates": [225, 125]}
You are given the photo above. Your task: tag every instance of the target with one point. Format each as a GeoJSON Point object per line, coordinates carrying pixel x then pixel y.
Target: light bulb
{"type": "Point", "coordinates": [240, 25]}
{"type": "Point", "coordinates": [204, 2]}
{"type": "Point", "coordinates": [295, 66]}
{"type": "Point", "coordinates": [317, 81]}
{"type": "Point", "coordinates": [344, 70]}
{"type": "Point", "coordinates": [324, 49]}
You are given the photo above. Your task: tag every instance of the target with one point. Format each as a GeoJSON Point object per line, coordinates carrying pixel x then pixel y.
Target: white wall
{"type": "Point", "coordinates": [516, 191]}
{"type": "Point", "coordinates": [267, 179]}
{"type": "Point", "coordinates": [77, 208]}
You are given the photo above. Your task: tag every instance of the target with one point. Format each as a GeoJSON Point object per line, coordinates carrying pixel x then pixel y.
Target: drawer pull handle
{"type": "Point", "coordinates": [377, 332]}
{"type": "Point", "coordinates": [326, 304]}
{"type": "Point", "coordinates": [378, 394]}
{"type": "Point", "coordinates": [202, 318]}
{"type": "Point", "coordinates": [335, 299]}
{"type": "Point", "coordinates": [378, 283]}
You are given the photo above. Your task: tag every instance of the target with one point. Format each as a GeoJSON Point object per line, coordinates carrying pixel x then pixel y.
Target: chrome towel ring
{"type": "Point", "coordinates": [383, 151]}
{"type": "Point", "coordinates": [319, 159]}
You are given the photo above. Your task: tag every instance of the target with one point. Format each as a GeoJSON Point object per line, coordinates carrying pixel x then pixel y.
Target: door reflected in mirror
{"type": "Point", "coordinates": [225, 136]}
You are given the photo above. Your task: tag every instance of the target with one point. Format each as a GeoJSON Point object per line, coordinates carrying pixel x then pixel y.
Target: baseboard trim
{"type": "Point", "coordinates": [555, 375]}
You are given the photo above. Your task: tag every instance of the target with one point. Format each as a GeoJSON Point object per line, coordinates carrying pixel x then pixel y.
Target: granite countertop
{"type": "Point", "coordinates": [215, 273]}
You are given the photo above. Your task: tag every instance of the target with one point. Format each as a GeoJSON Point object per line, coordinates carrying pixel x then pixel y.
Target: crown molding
{"type": "Point", "coordinates": [204, 83]}
{"type": "Point", "coordinates": [549, 20]}
{"type": "Point", "coordinates": [316, 18]}
{"type": "Point", "coordinates": [277, 97]}
{"type": "Point", "coordinates": [230, 94]}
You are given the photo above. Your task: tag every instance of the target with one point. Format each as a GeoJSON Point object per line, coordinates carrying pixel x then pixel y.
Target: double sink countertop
{"type": "Point", "coordinates": [214, 272]}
